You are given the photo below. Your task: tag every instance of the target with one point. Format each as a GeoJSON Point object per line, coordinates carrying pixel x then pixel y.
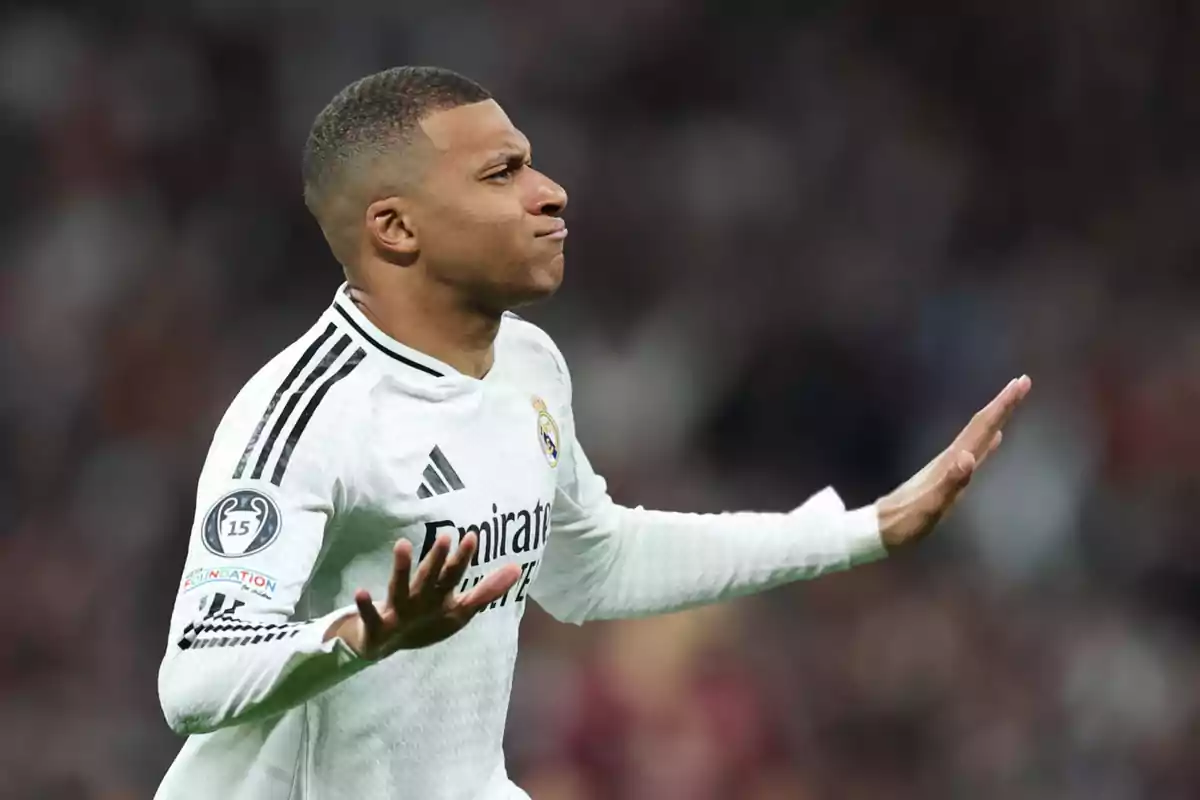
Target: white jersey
{"type": "Point", "coordinates": [349, 440]}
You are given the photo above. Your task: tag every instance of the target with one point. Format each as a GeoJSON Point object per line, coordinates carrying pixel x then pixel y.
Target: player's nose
{"type": "Point", "coordinates": [550, 199]}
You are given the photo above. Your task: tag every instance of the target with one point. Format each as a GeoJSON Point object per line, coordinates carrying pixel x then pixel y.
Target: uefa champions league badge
{"type": "Point", "coordinates": [241, 523]}
{"type": "Point", "coordinates": [547, 431]}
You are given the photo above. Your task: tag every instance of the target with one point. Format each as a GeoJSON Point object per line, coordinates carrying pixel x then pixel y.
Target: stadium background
{"type": "Point", "coordinates": [808, 240]}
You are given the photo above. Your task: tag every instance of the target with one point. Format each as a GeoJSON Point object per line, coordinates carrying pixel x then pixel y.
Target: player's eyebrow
{"type": "Point", "coordinates": [512, 154]}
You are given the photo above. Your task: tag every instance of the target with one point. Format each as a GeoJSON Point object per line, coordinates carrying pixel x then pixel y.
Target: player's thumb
{"type": "Point", "coordinates": [961, 470]}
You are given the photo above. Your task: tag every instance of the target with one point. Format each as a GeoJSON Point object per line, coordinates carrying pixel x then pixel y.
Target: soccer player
{"type": "Point", "coordinates": [384, 497]}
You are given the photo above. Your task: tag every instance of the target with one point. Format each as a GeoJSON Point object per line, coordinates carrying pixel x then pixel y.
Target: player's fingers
{"type": "Point", "coordinates": [985, 420]}
{"type": "Point", "coordinates": [492, 587]}
{"type": "Point", "coordinates": [425, 581]}
{"type": "Point", "coordinates": [401, 566]}
{"type": "Point", "coordinates": [372, 622]}
{"type": "Point", "coordinates": [456, 564]}
{"type": "Point", "coordinates": [1012, 398]}
{"type": "Point", "coordinates": [992, 446]}
{"type": "Point", "coordinates": [991, 418]}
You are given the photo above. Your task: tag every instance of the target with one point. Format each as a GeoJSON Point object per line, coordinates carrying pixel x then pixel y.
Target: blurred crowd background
{"type": "Point", "coordinates": [809, 239]}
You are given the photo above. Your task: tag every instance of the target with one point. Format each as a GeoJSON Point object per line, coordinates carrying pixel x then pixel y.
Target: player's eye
{"type": "Point", "coordinates": [509, 170]}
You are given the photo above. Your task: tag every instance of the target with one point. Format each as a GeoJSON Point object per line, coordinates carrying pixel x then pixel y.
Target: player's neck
{"type": "Point", "coordinates": [431, 319]}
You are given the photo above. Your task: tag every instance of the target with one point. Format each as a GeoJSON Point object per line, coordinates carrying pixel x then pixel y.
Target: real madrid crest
{"type": "Point", "coordinates": [241, 523]}
{"type": "Point", "coordinates": [547, 431]}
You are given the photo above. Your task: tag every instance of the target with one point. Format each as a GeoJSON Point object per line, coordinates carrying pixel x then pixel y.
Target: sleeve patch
{"type": "Point", "coordinates": [241, 523]}
{"type": "Point", "coordinates": [250, 580]}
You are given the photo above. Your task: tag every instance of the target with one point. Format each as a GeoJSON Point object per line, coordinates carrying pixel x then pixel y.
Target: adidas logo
{"type": "Point", "coordinates": [440, 477]}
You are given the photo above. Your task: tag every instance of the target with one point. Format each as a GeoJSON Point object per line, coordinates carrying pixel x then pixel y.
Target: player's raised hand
{"type": "Point", "coordinates": [428, 609]}
{"type": "Point", "coordinates": [911, 511]}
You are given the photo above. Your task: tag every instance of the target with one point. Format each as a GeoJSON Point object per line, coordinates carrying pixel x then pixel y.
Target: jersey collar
{"type": "Point", "coordinates": [348, 314]}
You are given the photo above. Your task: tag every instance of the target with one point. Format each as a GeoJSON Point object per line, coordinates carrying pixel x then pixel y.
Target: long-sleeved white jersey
{"type": "Point", "coordinates": [343, 443]}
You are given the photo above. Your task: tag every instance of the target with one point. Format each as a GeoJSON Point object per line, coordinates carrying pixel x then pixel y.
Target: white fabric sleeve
{"type": "Point", "coordinates": [239, 650]}
{"type": "Point", "coordinates": [605, 561]}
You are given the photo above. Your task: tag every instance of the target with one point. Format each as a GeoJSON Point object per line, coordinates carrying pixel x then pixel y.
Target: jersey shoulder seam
{"type": "Point", "coordinates": [535, 335]}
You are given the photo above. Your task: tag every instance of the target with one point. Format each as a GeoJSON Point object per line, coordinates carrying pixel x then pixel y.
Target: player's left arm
{"type": "Point", "coordinates": [606, 561]}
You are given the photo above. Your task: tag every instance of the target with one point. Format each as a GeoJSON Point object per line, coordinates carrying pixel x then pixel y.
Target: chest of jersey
{"type": "Point", "coordinates": [483, 462]}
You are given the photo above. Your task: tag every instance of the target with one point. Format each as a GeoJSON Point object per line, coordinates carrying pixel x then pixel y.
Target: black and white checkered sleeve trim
{"type": "Point", "coordinates": [223, 628]}
{"type": "Point", "coordinates": [213, 639]}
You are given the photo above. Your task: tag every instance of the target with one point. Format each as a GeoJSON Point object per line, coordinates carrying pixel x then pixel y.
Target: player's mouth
{"type": "Point", "coordinates": [557, 231]}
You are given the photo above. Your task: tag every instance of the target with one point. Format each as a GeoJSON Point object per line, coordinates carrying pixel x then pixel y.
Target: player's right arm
{"type": "Point", "coordinates": [238, 648]}
{"type": "Point", "coordinates": [270, 493]}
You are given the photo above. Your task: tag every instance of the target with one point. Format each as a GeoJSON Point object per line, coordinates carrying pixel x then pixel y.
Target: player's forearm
{"type": "Point", "coordinates": [652, 562]}
{"type": "Point", "coordinates": [234, 671]}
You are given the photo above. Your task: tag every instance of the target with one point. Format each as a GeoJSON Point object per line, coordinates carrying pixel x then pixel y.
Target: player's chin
{"type": "Point", "coordinates": [542, 280]}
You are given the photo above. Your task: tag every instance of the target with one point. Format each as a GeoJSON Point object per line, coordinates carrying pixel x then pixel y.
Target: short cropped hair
{"type": "Point", "coordinates": [375, 115]}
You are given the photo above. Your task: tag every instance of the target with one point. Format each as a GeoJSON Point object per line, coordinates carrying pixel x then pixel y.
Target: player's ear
{"type": "Point", "coordinates": [391, 228]}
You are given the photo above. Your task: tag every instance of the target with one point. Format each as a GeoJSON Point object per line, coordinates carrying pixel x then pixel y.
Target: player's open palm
{"type": "Point", "coordinates": [911, 511]}
{"type": "Point", "coordinates": [428, 609]}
